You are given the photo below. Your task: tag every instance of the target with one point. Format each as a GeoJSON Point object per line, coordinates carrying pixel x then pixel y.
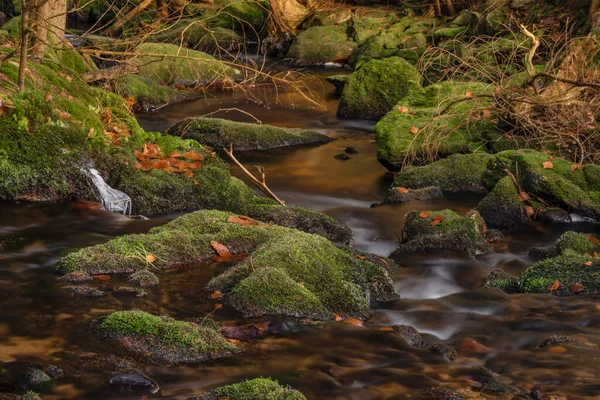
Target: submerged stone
{"type": "Point", "coordinates": [444, 350]}
{"type": "Point", "coordinates": [221, 133]}
{"type": "Point", "coordinates": [165, 340]}
{"type": "Point", "coordinates": [256, 389]}
{"type": "Point", "coordinates": [288, 272]}
{"type": "Point", "coordinates": [412, 336]}
{"type": "Point", "coordinates": [133, 381]}
{"type": "Point", "coordinates": [85, 291]}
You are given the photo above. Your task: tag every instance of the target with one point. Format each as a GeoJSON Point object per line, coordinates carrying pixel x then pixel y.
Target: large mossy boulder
{"type": "Point", "coordinates": [255, 389]}
{"type": "Point", "coordinates": [170, 64]}
{"type": "Point", "coordinates": [376, 87]}
{"type": "Point", "coordinates": [443, 230]}
{"type": "Point", "coordinates": [503, 207]}
{"type": "Point", "coordinates": [287, 272]}
{"type": "Point", "coordinates": [219, 133]}
{"type": "Point", "coordinates": [558, 182]}
{"type": "Point", "coordinates": [576, 268]}
{"type": "Point", "coordinates": [165, 340]}
{"type": "Point", "coordinates": [368, 22]}
{"type": "Point", "coordinates": [321, 45]}
{"type": "Point", "coordinates": [147, 93]}
{"type": "Point", "coordinates": [414, 130]}
{"type": "Point", "coordinates": [457, 173]}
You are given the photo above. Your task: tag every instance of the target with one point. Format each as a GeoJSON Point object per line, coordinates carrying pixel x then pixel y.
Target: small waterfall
{"type": "Point", "coordinates": [112, 199]}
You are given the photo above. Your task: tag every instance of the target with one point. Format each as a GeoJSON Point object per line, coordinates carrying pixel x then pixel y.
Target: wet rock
{"type": "Point", "coordinates": [339, 81]}
{"type": "Point", "coordinates": [320, 45]}
{"type": "Point", "coordinates": [457, 173]}
{"type": "Point", "coordinates": [536, 395]}
{"type": "Point", "coordinates": [579, 243]}
{"type": "Point", "coordinates": [129, 291]}
{"type": "Point", "coordinates": [84, 291]}
{"type": "Point", "coordinates": [350, 150]}
{"type": "Point", "coordinates": [244, 332]}
{"type": "Point", "coordinates": [540, 253]}
{"type": "Point", "coordinates": [219, 133]}
{"type": "Point", "coordinates": [266, 210]}
{"type": "Point", "coordinates": [133, 381]}
{"type": "Point", "coordinates": [412, 336]}
{"type": "Point", "coordinates": [440, 394]}
{"type": "Point", "coordinates": [502, 207]}
{"type": "Point", "coordinates": [342, 156]}
{"type": "Point", "coordinates": [495, 387]}
{"type": "Point", "coordinates": [502, 280]}
{"type": "Point", "coordinates": [260, 388]}
{"type": "Point", "coordinates": [494, 236]}
{"type": "Point", "coordinates": [444, 350]}
{"type": "Point", "coordinates": [165, 340]}
{"type": "Point", "coordinates": [401, 194]}
{"type": "Point", "coordinates": [327, 17]}
{"type": "Point", "coordinates": [54, 372]}
{"type": "Point", "coordinates": [554, 216]}
{"type": "Point", "coordinates": [558, 339]}
{"type": "Point", "coordinates": [143, 278]}
{"type": "Point", "coordinates": [288, 272]}
{"type": "Point", "coordinates": [76, 277]}
{"type": "Point", "coordinates": [34, 379]}
{"type": "Point", "coordinates": [374, 88]}
{"type": "Point", "coordinates": [443, 230]}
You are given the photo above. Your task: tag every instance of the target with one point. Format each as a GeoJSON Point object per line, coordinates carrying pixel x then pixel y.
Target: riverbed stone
{"type": "Point", "coordinates": [288, 272]}
{"type": "Point", "coordinates": [414, 132]}
{"type": "Point", "coordinates": [259, 388]}
{"type": "Point", "coordinates": [339, 81]}
{"type": "Point", "coordinates": [85, 291]}
{"type": "Point", "coordinates": [134, 381]}
{"type": "Point", "coordinates": [376, 86]}
{"type": "Point", "coordinates": [444, 350]}
{"type": "Point", "coordinates": [221, 133]}
{"type": "Point", "coordinates": [411, 335]}
{"type": "Point", "coordinates": [165, 340]}
{"type": "Point", "coordinates": [401, 194]}
{"type": "Point", "coordinates": [34, 379]}
{"type": "Point", "coordinates": [503, 207]}
{"type": "Point", "coordinates": [443, 230]}
{"type": "Point", "coordinates": [143, 278]}
{"type": "Point", "coordinates": [321, 45]}
{"type": "Point", "coordinates": [558, 339]}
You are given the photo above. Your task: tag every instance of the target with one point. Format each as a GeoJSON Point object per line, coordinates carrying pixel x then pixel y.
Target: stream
{"type": "Point", "coordinates": [496, 335]}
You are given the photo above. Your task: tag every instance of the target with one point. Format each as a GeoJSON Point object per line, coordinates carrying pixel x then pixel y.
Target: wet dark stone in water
{"type": "Point", "coordinates": [34, 379]}
{"type": "Point", "coordinates": [350, 150]}
{"type": "Point", "coordinates": [440, 394]}
{"type": "Point", "coordinates": [541, 254]}
{"type": "Point", "coordinates": [342, 156]}
{"type": "Point", "coordinates": [76, 277]}
{"type": "Point", "coordinates": [412, 336]}
{"type": "Point", "coordinates": [143, 278]}
{"type": "Point", "coordinates": [85, 291]}
{"type": "Point", "coordinates": [536, 395]}
{"type": "Point", "coordinates": [129, 291]}
{"type": "Point", "coordinates": [494, 236]}
{"type": "Point", "coordinates": [133, 381]}
{"type": "Point", "coordinates": [554, 217]}
{"type": "Point", "coordinates": [495, 387]}
{"type": "Point", "coordinates": [244, 332]}
{"type": "Point", "coordinates": [54, 372]}
{"type": "Point", "coordinates": [444, 350]}
{"type": "Point", "coordinates": [558, 339]}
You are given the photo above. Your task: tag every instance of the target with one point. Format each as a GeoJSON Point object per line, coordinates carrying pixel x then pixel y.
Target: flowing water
{"type": "Point", "coordinates": [40, 323]}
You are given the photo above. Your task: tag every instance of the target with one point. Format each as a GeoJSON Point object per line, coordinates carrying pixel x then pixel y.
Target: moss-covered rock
{"type": "Point", "coordinates": [368, 22]}
{"type": "Point", "coordinates": [256, 389]}
{"type": "Point", "coordinates": [413, 129]}
{"type": "Point", "coordinates": [334, 16]}
{"type": "Point", "coordinates": [143, 278]}
{"type": "Point", "coordinates": [170, 64]}
{"type": "Point", "coordinates": [503, 207]}
{"type": "Point", "coordinates": [373, 89]}
{"type": "Point", "coordinates": [457, 173]}
{"type": "Point", "coordinates": [449, 32]}
{"type": "Point", "coordinates": [287, 273]}
{"type": "Point", "coordinates": [443, 230]}
{"type": "Point", "coordinates": [147, 93]}
{"type": "Point", "coordinates": [247, 18]}
{"type": "Point", "coordinates": [569, 188]}
{"type": "Point", "coordinates": [579, 243]}
{"type": "Point", "coordinates": [165, 340]}
{"type": "Point", "coordinates": [339, 81]}
{"type": "Point", "coordinates": [219, 133]}
{"type": "Point", "coordinates": [267, 210]}
{"type": "Point", "coordinates": [402, 194]}
{"type": "Point", "coordinates": [320, 45]}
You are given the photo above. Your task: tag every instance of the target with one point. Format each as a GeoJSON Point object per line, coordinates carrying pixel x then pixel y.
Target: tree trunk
{"type": "Point", "coordinates": [593, 9]}
{"type": "Point", "coordinates": [48, 23]}
{"type": "Point", "coordinates": [24, 45]}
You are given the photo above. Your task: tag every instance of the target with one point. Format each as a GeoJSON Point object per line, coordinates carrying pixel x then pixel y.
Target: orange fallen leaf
{"type": "Point", "coordinates": [588, 264]}
{"type": "Point", "coordinates": [130, 101]}
{"type": "Point", "coordinates": [48, 97]}
{"type": "Point", "coordinates": [469, 94]}
{"type": "Point", "coordinates": [92, 133]}
{"type": "Point", "coordinates": [577, 288]}
{"type": "Point", "coordinates": [403, 190]}
{"type": "Point", "coordinates": [436, 220]}
{"type": "Point", "coordinates": [353, 321]}
{"type": "Point", "coordinates": [596, 254]}
{"type": "Point", "coordinates": [150, 258]}
{"type": "Point", "coordinates": [337, 317]}
{"type": "Point", "coordinates": [190, 155]}
{"type": "Point", "coordinates": [386, 329]}
{"type": "Point", "coordinates": [555, 286]}
{"type": "Point", "coordinates": [548, 165]}
{"type": "Point", "coordinates": [216, 295]}
{"type": "Point", "coordinates": [102, 277]}
{"type": "Point", "coordinates": [403, 109]}
{"type": "Point", "coordinates": [145, 165]}
{"type": "Point", "coordinates": [242, 220]}
{"type": "Point", "coordinates": [487, 114]}
{"type": "Point", "coordinates": [557, 349]}
{"type": "Point", "coordinates": [424, 214]}
{"type": "Point", "coordinates": [196, 182]}
{"type": "Point", "coordinates": [414, 130]}
{"type": "Point", "coordinates": [221, 250]}
{"type": "Point", "coordinates": [576, 166]}
{"type": "Point", "coordinates": [594, 240]}
{"type": "Point", "coordinates": [162, 165]}
{"type": "Point", "coordinates": [234, 341]}
{"type": "Point", "coordinates": [193, 165]}
{"type": "Point", "coordinates": [524, 196]}
{"type": "Point", "coordinates": [530, 211]}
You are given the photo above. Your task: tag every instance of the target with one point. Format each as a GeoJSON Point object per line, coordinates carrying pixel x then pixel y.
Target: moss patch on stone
{"type": "Point", "coordinates": [219, 133]}
{"type": "Point", "coordinates": [165, 340]}
{"type": "Point", "coordinates": [287, 272]}
{"type": "Point", "coordinates": [322, 44]}
{"type": "Point", "coordinates": [376, 87]}
{"type": "Point", "coordinates": [259, 388]}
{"type": "Point", "coordinates": [415, 134]}
{"type": "Point", "coordinates": [146, 92]}
{"type": "Point", "coordinates": [401, 194]}
{"type": "Point", "coordinates": [502, 207]}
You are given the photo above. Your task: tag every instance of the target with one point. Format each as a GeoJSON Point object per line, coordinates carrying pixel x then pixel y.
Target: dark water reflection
{"type": "Point", "coordinates": [441, 296]}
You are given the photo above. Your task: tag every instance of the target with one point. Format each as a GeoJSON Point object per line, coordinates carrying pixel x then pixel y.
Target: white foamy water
{"type": "Point", "coordinates": [112, 199]}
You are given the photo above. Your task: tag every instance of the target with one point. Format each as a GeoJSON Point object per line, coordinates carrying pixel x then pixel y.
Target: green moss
{"type": "Point", "coordinates": [368, 22]}
{"type": "Point", "coordinates": [245, 17]}
{"type": "Point", "coordinates": [219, 133]}
{"type": "Point", "coordinates": [165, 340]}
{"type": "Point", "coordinates": [502, 207]}
{"type": "Point", "coordinates": [322, 44]}
{"type": "Point", "coordinates": [506, 285]}
{"type": "Point", "coordinates": [327, 279]}
{"type": "Point", "coordinates": [180, 65]}
{"type": "Point", "coordinates": [453, 232]}
{"type": "Point", "coordinates": [391, 43]}
{"type": "Point", "coordinates": [259, 388]}
{"type": "Point", "coordinates": [457, 173]}
{"type": "Point", "coordinates": [579, 243]}
{"type": "Point", "coordinates": [449, 32]}
{"type": "Point", "coordinates": [454, 132]}
{"type": "Point", "coordinates": [146, 92]}
{"type": "Point", "coordinates": [569, 269]}
{"type": "Point", "coordinates": [376, 87]}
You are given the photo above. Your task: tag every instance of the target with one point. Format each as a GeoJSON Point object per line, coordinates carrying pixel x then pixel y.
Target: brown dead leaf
{"type": "Point", "coordinates": [190, 155]}
{"type": "Point", "coordinates": [353, 321]}
{"type": "Point", "coordinates": [469, 94]}
{"type": "Point", "coordinates": [162, 165]}
{"type": "Point", "coordinates": [424, 214]}
{"type": "Point", "coordinates": [436, 220]}
{"type": "Point", "coordinates": [403, 109]}
{"type": "Point", "coordinates": [221, 250]}
{"type": "Point", "coordinates": [48, 97]}
{"type": "Point", "coordinates": [386, 329]}
{"type": "Point", "coordinates": [596, 254]}
{"type": "Point", "coordinates": [150, 258]}
{"type": "Point", "coordinates": [196, 182]}
{"type": "Point", "coordinates": [337, 317]}
{"type": "Point", "coordinates": [487, 114]}
{"type": "Point", "coordinates": [130, 101]}
{"type": "Point", "coordinates": [92, 133]}
{"type": "Point", "coordinates": [216, 295]}
{"type": "Point", "coordinates": [102, 277]}
{"type": "Point", "coordinates": [414, 130]}
{"type": "Point", "coordinates": [234, 341]}
{"type": "Point", "coordinates": [530, 211]}
{"type": "Point", "coordinates": [403, 189]}
{"type": "Point", "coordinates": [577, 288]}
{"type": "Point", "coordinates": [242, 220]}
{"type": "Point", "coordinates": [557, 349]}
{"type": "Point", "coordinates": [588, 264]}
{"type": "Point", "coordinates": [555, 286]}
{"type": "Point", "coordinates": [145, 165]}
{"type": "Point", "coordinates": [524, 196]}
{"type": "Point", "coordinates": [548, 165]}
{"type": "Point", "coordinates": [594, 240]}
{"type": "Point", "coordinates": [576, 166]}
{"type": "Point", "coordinates": [193, 165]}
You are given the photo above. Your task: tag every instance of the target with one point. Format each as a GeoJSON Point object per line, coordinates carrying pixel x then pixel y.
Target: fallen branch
{"type": "Point", "coordinates": [111, 73]}
{"type": "Point", "coordinates": [564, 80]}
{"type": "Point", "coordinates": [261, 184]}
{"type": "Point", "coordinates": [466, 98]}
